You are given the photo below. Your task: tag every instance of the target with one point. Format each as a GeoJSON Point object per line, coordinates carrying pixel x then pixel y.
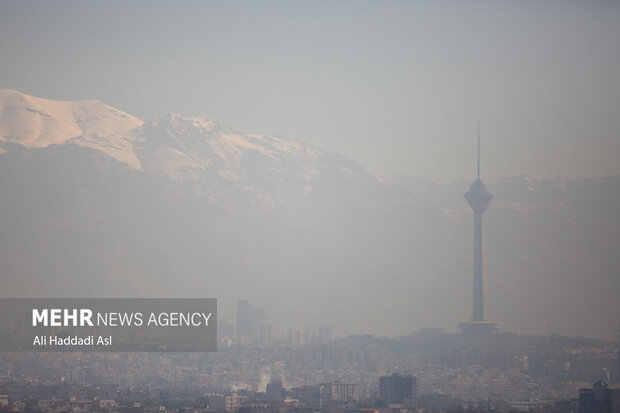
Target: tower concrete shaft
{"type": "Point", "coordinates": [478, 198]}
{"type": "Point", "coordinates": [478, 270]}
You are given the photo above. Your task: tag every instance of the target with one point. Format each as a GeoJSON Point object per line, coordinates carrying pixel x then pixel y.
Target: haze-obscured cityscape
{"type": "Point", "coordinates": [400, 207]}
{"type": "Point", "coordinates": [310, 371]}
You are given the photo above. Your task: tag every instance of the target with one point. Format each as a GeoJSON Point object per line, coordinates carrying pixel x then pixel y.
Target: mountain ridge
{"type": "Point", "coordinates": [310, 235]}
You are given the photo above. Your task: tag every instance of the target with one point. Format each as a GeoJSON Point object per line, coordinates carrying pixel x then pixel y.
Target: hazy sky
{"type": "Point", "coordinates": [397, 86]}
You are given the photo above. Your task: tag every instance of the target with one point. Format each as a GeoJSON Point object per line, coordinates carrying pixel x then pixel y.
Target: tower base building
{"type": "Point", "coordinates": [480, 328]}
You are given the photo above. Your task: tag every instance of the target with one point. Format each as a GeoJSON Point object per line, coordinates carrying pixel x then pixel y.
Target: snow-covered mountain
{"type": "Point", "coordinates": [97, 203]}
{"type": "Point", "coordinates": [38, 123]}
{"type": "Point", "coordinates": [198, 152]}
{"type": "Point", "coordinates": [271, 169]}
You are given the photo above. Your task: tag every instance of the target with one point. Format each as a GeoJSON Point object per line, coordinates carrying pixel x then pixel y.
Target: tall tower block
{"type": "Point", "coordinates": [479, 198]}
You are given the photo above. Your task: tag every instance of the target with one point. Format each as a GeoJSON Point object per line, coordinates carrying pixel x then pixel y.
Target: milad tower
{"type": "Point", "coordinates": [478, 198]}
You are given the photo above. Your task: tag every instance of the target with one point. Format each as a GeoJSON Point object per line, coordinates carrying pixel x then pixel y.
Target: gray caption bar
{"type": "Point", "coordinates": [108, 324]}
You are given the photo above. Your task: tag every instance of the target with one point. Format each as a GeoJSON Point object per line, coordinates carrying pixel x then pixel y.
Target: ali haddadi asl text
{"type": "Point", "coordinates": [87, 341]}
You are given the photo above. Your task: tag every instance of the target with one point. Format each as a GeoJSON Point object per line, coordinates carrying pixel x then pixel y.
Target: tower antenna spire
{"type": "Point", "coordinates": [478, 149]}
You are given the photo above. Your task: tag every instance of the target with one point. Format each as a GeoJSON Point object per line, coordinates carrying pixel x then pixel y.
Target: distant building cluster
{"type": "Point", "coordinates": [356, 374]}
{"type": "Point", "coordinates": [252, 327]}
{"type": "Point", "coordinates": [320, 397]}
{"type": "Point", "coordinates": [298, 337]}
{"type": "Point", "coordinates": [398, 394]}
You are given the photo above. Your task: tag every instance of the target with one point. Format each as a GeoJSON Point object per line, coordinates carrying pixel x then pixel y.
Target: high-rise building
{"type": "Point", "coordinates": [274, 390]}
{"type": "Point", "coordinates": [249, 319]}
{"type": "Point", "coordinates": [324, 396]}
{"type": "Point", "coordinates": [295, 337]}
{"type": "Point", "coordinates": [267, 335]}
{"type": "Point", "coordinates": [257, 319]}
{"type": "Point", "coordinates": [397, 389]}
{"type": "Point", "coordinates": [324, 334]}
{"type": "Point", "coordinates": [311, 395]}
{"type": "Point", "coordinates": [243, 318]}
{"type": "Point", "coordinates": [479, 198]}
{"type": "Point", "coordinates": [346, 392]}
{"type": "Point", "coordinates": [229, 402]}
{"type": "Point", "coordinates": [308, 336]}
{"type": "Point", "coordinates": [600, 398]}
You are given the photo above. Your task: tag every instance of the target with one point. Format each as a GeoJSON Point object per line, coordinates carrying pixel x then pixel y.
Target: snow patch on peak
{"type": "Point", "coordinates": [174, 121]}
{"type": "Point", "coordinates": [252, 162]}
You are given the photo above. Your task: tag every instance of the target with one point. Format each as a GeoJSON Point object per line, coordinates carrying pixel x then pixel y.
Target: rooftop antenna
{"type": "Point", "coordinates": [478, 149]}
